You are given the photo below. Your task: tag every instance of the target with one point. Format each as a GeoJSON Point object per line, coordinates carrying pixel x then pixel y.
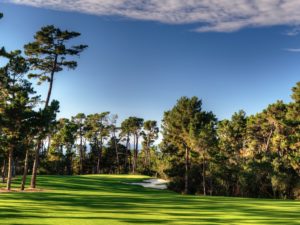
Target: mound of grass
{"type": "Point", "coordinates": [107, 200]}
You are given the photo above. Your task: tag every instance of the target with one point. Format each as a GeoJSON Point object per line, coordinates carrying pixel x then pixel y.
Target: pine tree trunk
{"type": "Point", "coordinates": [210, 181]}
{"type": "Point", "coordinates": [3, 171]}
{"type": "Point", "coordinates": [35, 165]}
{"type": "Point", "coordinates": [130, 161]}
{"type": "Point", "coordinates": [81, 154]}
{"type": "Point", "coordinates": [98, 163]}
{"type": "Point", "coordinates": [268, 140]}
{"type": "Point", "coordinates": [145, 158]}
{"type": "Point", "coordinates": [13, 166]}
{"type": "Point", "coordinates": [49, 144]}
{"type": "Point", "coordinates": [51, 82]}
{"type": "Point", "coordinates": [69, 160]}
{"type": "Point", "coordinates": [147, 155]}
{"type": "Point", "coordinates": [25, 171]}
{"type": "Point", "coordinates": [117, 159]}
{"type": "Point", "coordinates": [36, 159]}
{"type": "Point", "coordinates": [99, 157]}
{"type": "Point", "coordinates": [186, 175]}
{"type": "Point", "coordinates": [136, 152]}
{"type": "Point", "coordinates": [117, 154]}
{"type": "Point", "coordinates": [133, 159]}
{"type": "Point", "coordinates": [9, 175]}
{"type": "Point", "coordinates": [126, 154]}
{"type": "Point", "coordinates": [203, 176]}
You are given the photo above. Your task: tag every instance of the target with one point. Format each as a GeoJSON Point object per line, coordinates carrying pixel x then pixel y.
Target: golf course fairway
{"type": "Point", "coordinates": [108, 200]}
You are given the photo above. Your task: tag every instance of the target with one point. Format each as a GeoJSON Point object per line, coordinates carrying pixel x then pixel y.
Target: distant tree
{"type": "Point", "coordinates": [204, 141]}
{"type": "Point", "coordinates": [185, 129]}
{"type": "Point", "coordinates": [176, 125]}
{"type": "Point", "coordinates": [114, 129]}
{"type": "Point", "coordinates": [97, 131]}
{"type": "Point", "coordinates": [79, 120]}
{"type": "Point", "coordinates": [125, 135]}
{"type": "Point", "coordinates": [231, 142]}
{"type": "Point", "coordinates": [65, 138]}
{"type": "Point", "coordinates": [293, 120]}
{"type": "Point", "coordinates": [133, 126]}
{"type": "Point", "coordinates": [136, 126]}
{"type": "Point", "coordinates": [109, 157]}
{"type": "Point", "coordinates": [150, 135]}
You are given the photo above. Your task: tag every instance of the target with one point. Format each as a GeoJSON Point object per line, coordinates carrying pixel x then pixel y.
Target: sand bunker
{"type": "Point", "coordinates": [153, 183]}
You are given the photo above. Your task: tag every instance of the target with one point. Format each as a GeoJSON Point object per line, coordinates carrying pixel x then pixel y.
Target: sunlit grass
{"type": "Point", "coordinates": [106, 199]}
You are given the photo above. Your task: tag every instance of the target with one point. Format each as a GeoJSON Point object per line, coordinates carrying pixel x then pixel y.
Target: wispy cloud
{"type": "Point", "coordinates": [292, 49]}
{"type": "Point", "coordinates": [293, 32]}
{"type": "Point", "coordinates": [210, 15]}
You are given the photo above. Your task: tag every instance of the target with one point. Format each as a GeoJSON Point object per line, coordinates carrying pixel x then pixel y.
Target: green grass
{"type": "Point", "coordinates": [105, 199]}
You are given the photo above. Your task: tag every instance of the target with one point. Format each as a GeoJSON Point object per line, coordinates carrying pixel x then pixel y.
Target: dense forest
{"type": "Point", "coordinates": [248, 156]}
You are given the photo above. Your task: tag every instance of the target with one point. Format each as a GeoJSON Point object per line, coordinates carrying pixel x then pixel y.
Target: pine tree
{"type": "Point", "coordinates": [48, 55]}
{"type": "Point", "coordinates": [150, 135]}
{"type": "Point", "coordinates": [16, 104]}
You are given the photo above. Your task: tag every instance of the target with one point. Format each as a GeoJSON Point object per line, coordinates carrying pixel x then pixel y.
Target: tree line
{"type": "Point", "coordinates": [248, 156]}
{"type": "Point", "coordinates": [94, 144]}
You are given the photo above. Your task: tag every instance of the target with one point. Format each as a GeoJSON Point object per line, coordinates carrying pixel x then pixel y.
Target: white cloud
{"type": "Point", "coordinates": [207, 15]}
{"type": "Point", "coordinates": [293, 49]}
{"type": "Point", "coordinates": [293, 32]}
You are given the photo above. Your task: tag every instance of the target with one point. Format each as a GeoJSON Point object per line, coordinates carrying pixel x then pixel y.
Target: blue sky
{"type": "Point", "coordinates": [138, 64]}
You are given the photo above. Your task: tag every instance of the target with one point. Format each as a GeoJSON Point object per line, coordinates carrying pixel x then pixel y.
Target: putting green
{"type": "Point", "coordinates": [107, 200]}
